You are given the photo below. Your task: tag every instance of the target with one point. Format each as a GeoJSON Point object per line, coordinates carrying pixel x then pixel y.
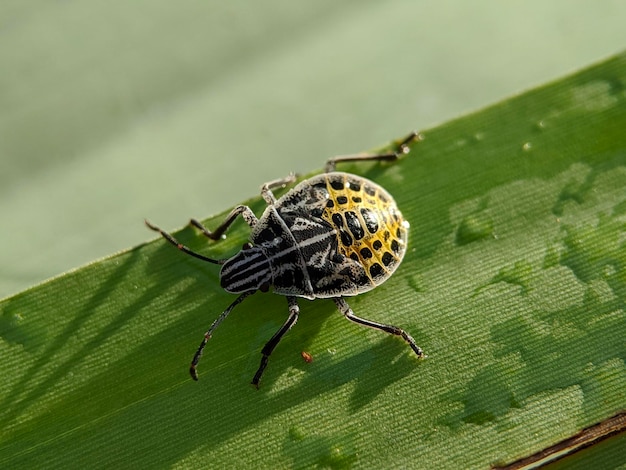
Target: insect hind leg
{"type": "Point", "coordinates": [403, 148]}
{"type": "Point", "coordinates": [347, 312]}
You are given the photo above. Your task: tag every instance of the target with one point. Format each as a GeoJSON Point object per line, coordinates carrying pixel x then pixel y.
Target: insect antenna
{"type": "Point", "coordinates": [193, 369]}
{"type": "Point", "coordinates": [182, 247]}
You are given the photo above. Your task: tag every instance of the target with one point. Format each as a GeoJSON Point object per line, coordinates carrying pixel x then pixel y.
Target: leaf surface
{"type": "Point", "coordinates": [514, 284]}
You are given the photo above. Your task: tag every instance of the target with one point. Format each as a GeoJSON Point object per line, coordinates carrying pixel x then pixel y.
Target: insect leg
{"type": "Point", "coordinates": [294, 310]}
{"type": "Point", "coordinates": [403, 148]}
{"type": "Point", "coordinates": [266, 189]}
{"type": "Point", "coordinates": [193, 369]}
{"type": "Point", "coordinates": [347, 312]}
{"type": "Point", "coordinates": [182, 247]}
{"type": "Point", "coordinates": [216, 234]}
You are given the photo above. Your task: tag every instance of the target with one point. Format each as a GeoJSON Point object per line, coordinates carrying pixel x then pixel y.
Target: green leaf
{"type": "Point", "coordinates": [514, 284]}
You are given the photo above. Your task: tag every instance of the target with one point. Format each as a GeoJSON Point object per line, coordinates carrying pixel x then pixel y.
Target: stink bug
{"type": "Point", "coordinates": [331, 236]}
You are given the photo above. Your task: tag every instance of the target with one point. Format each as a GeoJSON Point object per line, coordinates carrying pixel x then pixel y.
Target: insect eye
{"type": "Point", "coordinates": [264, 287]}
{"type": "Point", "coordinates": [246, 246]}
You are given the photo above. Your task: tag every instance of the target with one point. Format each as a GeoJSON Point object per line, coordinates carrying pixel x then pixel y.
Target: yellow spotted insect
{"type": "Point", "coordinates": [331, 236]}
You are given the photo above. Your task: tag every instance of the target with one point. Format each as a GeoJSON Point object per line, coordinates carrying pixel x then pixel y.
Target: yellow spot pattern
{"type": "Point", "coordinates": [371, 229]}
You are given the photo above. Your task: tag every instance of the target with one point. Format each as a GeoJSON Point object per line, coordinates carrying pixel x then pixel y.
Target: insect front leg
{"type": "Point", "coordinates": [403, 148]}
{"type": "Point", "coordinates": [181, 247]}
{"type": "Point", "coordinates": [347, 312]}
{"type": "Point", "coordinates": [245, 212]}
{"type": "Point", "coordinates": [216, 234]}
{"type": "Point", "coordinates": [267, 350]}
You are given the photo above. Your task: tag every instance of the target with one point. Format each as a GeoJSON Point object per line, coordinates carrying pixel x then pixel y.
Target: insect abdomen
{"type": "Point", "coordinates": [371, 229]}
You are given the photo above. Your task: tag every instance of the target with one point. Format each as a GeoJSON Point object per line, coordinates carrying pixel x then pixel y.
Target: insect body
{"type": "Point", "coordinates": [331, 236]}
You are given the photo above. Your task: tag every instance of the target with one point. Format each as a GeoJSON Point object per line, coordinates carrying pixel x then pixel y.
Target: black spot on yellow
{"type": "Point", "coordinates": [387, 258]}
{"type": "Point", "coordinates": [354, 225]}
{"type": "Point", "coordinates": [355, 186]}
{"type": "Point", "coordinates": [376, 270]}
{"type": "Point", "coordinates": [371, 221]}
{"type": "Point", "coordinates": [336, 185]}
{"type": "Point", "coordinates": [366, 253]}
{"type": "Point", "coordinates": [337, 220]}
{"type": "Point", "coordinates": [346, 239]}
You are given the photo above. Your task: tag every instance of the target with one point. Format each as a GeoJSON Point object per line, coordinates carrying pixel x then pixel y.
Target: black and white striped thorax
{"type": "Point", "coordinates": [335, 234]}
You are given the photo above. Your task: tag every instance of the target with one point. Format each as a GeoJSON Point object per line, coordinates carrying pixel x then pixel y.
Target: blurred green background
{"type": "Point", "coordinates": [114, 111]}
